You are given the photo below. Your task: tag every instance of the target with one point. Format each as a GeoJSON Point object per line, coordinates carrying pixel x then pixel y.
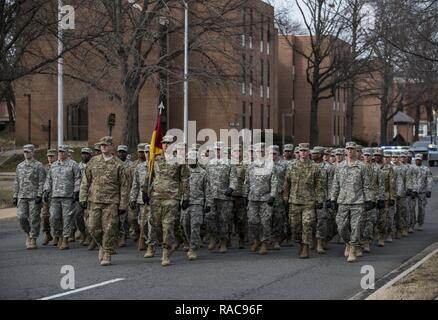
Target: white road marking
{"type": "Point", "coordinates": [82, 289]}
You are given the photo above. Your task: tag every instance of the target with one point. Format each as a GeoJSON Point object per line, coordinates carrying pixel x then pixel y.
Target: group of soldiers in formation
{"type": "Point", "coordinates": [261, 196]}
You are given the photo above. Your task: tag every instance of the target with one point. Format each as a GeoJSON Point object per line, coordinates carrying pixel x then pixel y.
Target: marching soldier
{"type": "Point", "coordinates": [411, 195]}
{"type": "Point", "coordinates": [128, 169]}
{"type": "Point", "coordinates": [62, 186]}
{"type": "Point", "coordinates": [401, 202]}
{"type": "Point", "coordinates": [28, 189]}
{"type": "Point", "coordinates": [351, 196]}
{"type": "Point", "coordinates": [423, 189]}
{"type": "Point", "coordinates": [303, 192]}
{"type": "Point", "coordinates": [104, 187]}
{"type": "Point", "coordinates": [45, 210]}
{"type": "Point", "coordinates": [288, 152]}
{"type": "Point", "coordinates": [261, 185]}
{"type": "Point", "coordinates": [168, 186]}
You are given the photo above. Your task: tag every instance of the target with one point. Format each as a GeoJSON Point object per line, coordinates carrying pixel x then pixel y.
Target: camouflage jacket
{"type": "Point", "coordinates": [325, 172]}
{"type": "Point", "coordinates": [261, 181]}
{"type": "Point", "coordinates": [168, 179]}
{"type": "Point", "coordinates": [280, 169]}
{"type": "Point", "coordinates": [411, 173]}
{"type": "Point", "coordinates": [63, 179]}
{"type": "Point", "coordinates": [377, 185]}
{"type": "Point", "coordinates": [389, 178]}
{"type": "Point", "coordinates": [220, 176]}
{"type": "Point", "coordinates": [197, 185]}
{"type": "Point", "coordinates": [351, 184]}
{"type": "Point", "coordinates": [401, 180]}
{"type": "Point", "coordinates": [140, 175]}
{"type": "Point", "coordinates": [104, 182]}
{"type": "Point", "coordinates": [29, 180]}
{"type": "Point", "coordinates": [423, 179]}
{"type": "Point", "coordinates": [240, 172]}
{"type": "Point", "coordinates": [302, 183]}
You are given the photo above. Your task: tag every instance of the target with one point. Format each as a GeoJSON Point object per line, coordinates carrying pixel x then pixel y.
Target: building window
{"type": "Point", "coordinates": [267, 93]}
{"type": "Point", "coordinates": [243, 40]}
{"type": "Point", "coordinates": [77, 120]}
{"type": "Point", "coordinates": [250, 42]}
{"type": "Point", "coordinates": [250, 88]}
{"type": "Point", "coordinates": [243, 88]}
{"type": "Point", "coordinates": [268, 40]}
{"type": "Point", "coordinates": [261, 91]}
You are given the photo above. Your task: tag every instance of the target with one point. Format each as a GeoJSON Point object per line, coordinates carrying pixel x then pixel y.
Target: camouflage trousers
{"type": "Point", "coordinates": [383, 222]}
{"type": "Point", "coordinates": [278, 219]}
{"type": "Point", "coordinates": [332, 228]}
{"type": "Point", "coordinates": [45, 216]}
{"type": "Point", "coordinates": [218, 219]}
{"type": "Point", "coordinates": [134, 219]}
{"type": "Point", "coordinates": [411, 218]}
{"type": "Point", "coordinates": [142, 220]}
{"type": "Point", "coordinates": [422, 203]}
{"type": "Point", "coordinates": [178, 231]}
{"type": "Point", "coordinates": [79, 217]}
{"type": "Point", "coordinates": [367, 222]}
{"type": "Point", "coordinates": [348, 221]}
{"type": "Point", "coordinates": [162, 216]}
{"type": "Point", "coordinates": [259, 221]}
{"type": "Point", "coordinates": [240, 218]}
{"type": "Point", "coordinates": [103, 224]}
{"type": "Point", "coordinates": [401, 214]}
{"type": "Point", "coordinates": [61, 216]}
{"type": "Point", "coordinates": [191, 221]}
{"type": "Point", "coordinates": [28, 213]}
{"type": "Point", "coordinates": [302, 219]}
{"type": "Point", "coordinates": [391, 220]}
{"type": "Point", "coordinates": [320, 226]}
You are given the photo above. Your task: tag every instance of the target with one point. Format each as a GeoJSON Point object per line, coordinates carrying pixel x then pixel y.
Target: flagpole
{"type": "Point", "coordinates": [60, 78]}
{"type": "Point", "coordinates": [186, 71]}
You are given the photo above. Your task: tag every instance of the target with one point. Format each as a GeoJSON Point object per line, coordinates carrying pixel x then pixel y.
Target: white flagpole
{"type": "Point", "coordinates": [60, 78]}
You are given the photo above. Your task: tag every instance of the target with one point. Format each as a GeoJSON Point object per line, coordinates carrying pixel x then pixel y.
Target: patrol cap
{"type": "Point", "coordinates": [274, 149]}
{"type": "Point", "coordinates": [297, 149]}
{"type": "Point", "coordinates": [350, 145]}
{"type": "Point", "coordinates": [377, 152]}
{"type": "Point", "coordinates": [259, 146]}
{"type": "Point", "coordinates": [236, 148]}
{"type": "Point", "coordinates": [317, 149]}
{"type": "Point", "coordinates": [28, 148]}
{"type": "Point", "coordinates": [51, 152]}
{"type": "Point", "coordinates": [122, 147]}
{"type": "Point", "coordinates": [97, 146]}
{"type": "Point", "coordinates": [404, 154]}
{"type": "Point", "coordinates": [195, 146]}
{"type": "Point", "coordinates": [106, 141]}
{"type": "Point", "coordinates": [250, 147]}
{"type": "Point", "coordinates": [333, 153]}
{"type": "Point", "coordinates": [181, 145]}
{"type": "Point", "coordinates": [192, 155]}
{"type": "Point", "coordinates": [367, 152]}
{"type": "Point", "coordinates": [62, 148]}
{"type": "Point", "coordinates": [288, 147]}
{"type": "Point", "coordinates": [86, 150]}
{"type": "Point", "coordinates": [340, 151]}
{"type": "Point", "coordinates": [218, 145]}
{"type": "Point", "coordinates": [303, 147]}
{"type": "Point", "coordinates": [359, 147]}
{"type": "Point", "coordinates": [70, 150]}
{"type": "Point", "coordinates": [168, 139]}
{"type": "Point", "coordinates": [328, 151]}
{"type": "Point", "coordinates": [419, 156]}
{"type": "Point", "coordinates": [387, 154]}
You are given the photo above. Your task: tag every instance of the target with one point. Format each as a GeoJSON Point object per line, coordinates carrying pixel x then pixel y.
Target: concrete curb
{"type": "Point", "coordinates": [398, 273]}
{"type": "Point", "coordinates": [9, 213]}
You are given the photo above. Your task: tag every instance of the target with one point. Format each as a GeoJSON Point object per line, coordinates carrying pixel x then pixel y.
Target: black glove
{"type": "Point", "coordinates": [84, 204]}
{"type": "Point", "coordinates": [391, 202]}
{"type": "Point", "coordinates": [408, 192]}
{"type": "Point", "coordinates": [271, 201]}
{"type": "Point", "coordinates": [46, 196]}
{"type": "Point", "coordinates": [319, 206]}
{"type": "Point", "coordinates": [246, 202]}
{"type": "Point", "coordinates": [428, 194]}
{"type": "Point", "coordinates": [414, 195]}
{"type": "Point", "coordinates": [133, 205]}
{"type": "Point", "coordinates": [145, 198]}
{"type": "Point", "coordinates": [15, 201]}
{"type": "Point", "coordinates": [328, 204]}
{"type": "Point", "coordinates": [122, 211]}
{"type": "Point", "coordinates": [335, 205]}
{"type": "Point", "coordinates": [380, 204]}
{"type": "Point", "coordinates": [398, 198]}
{"type": "Point", "coordinates": [76, 196]}
{"type": "Point", "coordinates": [369, 205]}
{"type": "Point", "coordinates": [185, 204]}
{"type": "Point", "coordinates": [207, 209]}
{"type": "Point", "coordinates": [229, 192]}
{"type": "Point", "coordinates": [38, 200]}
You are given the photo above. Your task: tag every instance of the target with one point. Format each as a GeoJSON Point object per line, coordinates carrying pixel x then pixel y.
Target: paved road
{"type": "Point", "coordinates": [236, 275]}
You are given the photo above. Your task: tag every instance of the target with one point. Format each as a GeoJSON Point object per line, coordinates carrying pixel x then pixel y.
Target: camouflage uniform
{"type": "Point", "coordinates": [192, 217]}
{"type": "Point", "coordinates": [261, 183]}
{"type": "Point", "coordinates": [239, 201]}
{"type": "Point", "coordinates": [423, 185]}
{"type": "Point", "coordinates": [80, 214]}
{"type": "Point", "coordinates": [384, 221]}
{"type": "Point", "coordinates": [104, 186]}
{"type": "Point", "coordinates": [350, 190]}
{"type": "Point", "coordinates": [140, 215]}
{"type": "Point", "coordinates": [321, 227]}
{"type": "Point", "coordinates": [128, 169]}
{"type": "Point", "coordinates": [45, 209]}
{"type": "Point", "coordinates": [411, 174]}
{"type": "Point", "coordinates": [63, 180]}
{"type": "Point", "coordinates": [279, 215]}
{"type": "Point", "coordinates": [302, 190]}
{"type": "Point", "coordinates": [28, 185]}
{"type": "Point", "coordinates": [331, 213]}
{"type": "Point", "coordinates": [401, 188]}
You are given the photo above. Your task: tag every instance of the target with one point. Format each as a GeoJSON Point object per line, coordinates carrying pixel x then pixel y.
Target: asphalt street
{"type": "Point", "coordinates": [238, 274]}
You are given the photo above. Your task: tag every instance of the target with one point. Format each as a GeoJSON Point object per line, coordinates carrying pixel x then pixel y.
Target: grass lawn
{"type": "Point", "coordinates": [6, 198]}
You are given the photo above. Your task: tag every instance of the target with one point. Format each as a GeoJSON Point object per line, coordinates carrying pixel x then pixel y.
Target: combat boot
{"type": "Point", "coordinates": [186, 247]}
{"type": "Point", "coordinates": [304, 252]}
{"type": "Point", "coordinates": [101, 253]}
{"type": "Point", "coordinates": [223, 248]}
{"type": "Point", "coordinates": [122, 241]}
{"type": "Point", "coordinates": [141, 244]}
{"type": "Point", "coordinates": [64, 244]}
{"type": "Point", "coordinates": [82, 238]}
{"type": "Point", "coordinates": [366, 247]}
{"type": "Point", "coordinates": [389, 239]}
{"type": "Point", "coordinates": [47, 238]}
{"type": "Point", "coordinates": [381, 242]}
{"type": "Point", "coordinates": [32, 244]}
{"type": "Point", "coordinates": [263, 249]}
{"type": "Point", "coordinates": [165, 260]}
{"type": "Point", "coordinates": [27, 241]}
{"type": "Point", "coordinates": [255, 246]}
{"type": "Point", "coordinates": [398, 234]}
{"type": "Point", "coordinates": [320, 247]}
{"type": "Point", "coordinates": [87, 240]}
{"type": "Point", "coordinates": [71, 238]}
{"type": "Point", "coordinates": [92, 245]}
{"type": "Point", "coordinates": [359, 252]}
{"type": "Point", "coordinates": [106, 259]}
{"type": "Point", "coordinates": [352, 254]}
{"type": "Point", "coordinates": [419, 227]}
{"type": "Point", "coordinates": [55, 241]}
{"type": "Point", "coordinates": [405, 232]}
{"type": "Point", "coordinates": [191, 254]}
{"type": "Point", "coordinates": [276, 245]}
{"type": "Point", "coordinates": [212, 244]}
{"type": "Point", "coordinates": [347, 250]}
{"type": "Point", "coordinates": [149, 252]}
{"type": "Point", "coordinates": [410, 230]}
{"type": "Point", "coordinates": [241, 243]}
{"type": "Point", "coordinates": [60, 241]}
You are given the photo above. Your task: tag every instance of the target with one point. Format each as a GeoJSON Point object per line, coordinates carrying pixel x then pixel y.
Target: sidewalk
{"type": "Point", "coordinates": [8, 213]}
